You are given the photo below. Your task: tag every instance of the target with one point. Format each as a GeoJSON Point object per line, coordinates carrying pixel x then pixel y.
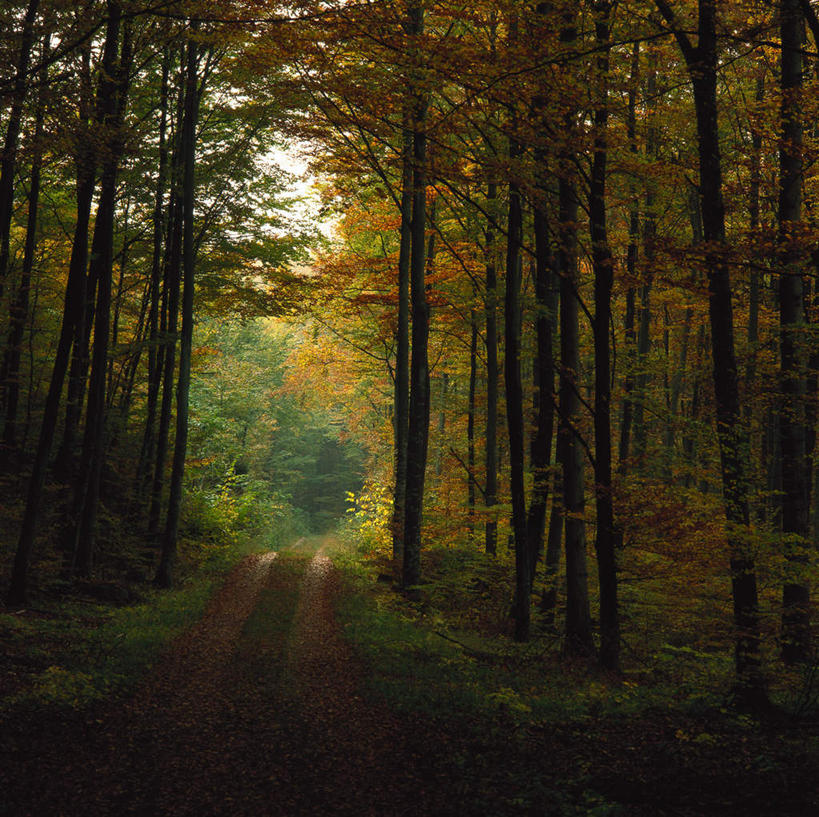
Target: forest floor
{"type": "Point", "coordinates": [263, 708]}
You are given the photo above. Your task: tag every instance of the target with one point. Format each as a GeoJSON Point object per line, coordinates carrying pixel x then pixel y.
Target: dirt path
{"type": "Point", "coordinates": [260, 710]}
{"type": "Point", "coordinates": [266, 723]}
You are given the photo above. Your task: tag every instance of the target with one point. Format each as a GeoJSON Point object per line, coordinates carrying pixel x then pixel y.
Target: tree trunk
{"type": "Point", "coordinates": [170, 296]}
{"type": "Point", "coordinates": [18, 311]}
{"type": "Point", "coordinates": [146, 454]}
{"type": "Point", "coordinates": [794, 462]}
{"type": "Point", "coordinates": [701, 60]}
{"type": "Point", "coordinates": [608, 536]}
{"type": "Point", "coordinates": [8, 160]}
{"type": "Point", "coordinates": [470, 424]}
{"type": "Point", "coordinates": [514, 402]}
{"type": "Point", "coordinates": [491, 442]}
{"type": "Point", "coordinates": [164, 574]}
{"type": "Point", "coordinates": [631, 271]}
{"type": "Point", "coordinates": [541, 443]}
{"type": "Point", "coordinates": [401, 409]}
{"type": "Point", "coordinates": [641, 380]}
{"type": "Point", "coordinates": [578, 637]}
{"type": "Point", "coordinates": [418, 433]}
{"type": "Point", "coordinates": [90, 114]}
{"type": "Point", "coordinates": [72, 314]}
{"type": "Point", "coordinates": [93, 453]}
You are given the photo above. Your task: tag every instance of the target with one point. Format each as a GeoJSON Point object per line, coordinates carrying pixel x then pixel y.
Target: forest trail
{"type": "Point", "coordinates": [261, 709]}
{"type": "Point", "coordinates": [257, 710]}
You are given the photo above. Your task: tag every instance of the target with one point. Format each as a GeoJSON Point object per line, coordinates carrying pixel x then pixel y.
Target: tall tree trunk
{"type": "Point", "coordinates": [631, 271]}
{"type": "Point", "coordinates": [641, 380]}
{"type": "Point", "coordinates": [554, 542]}
{"type": "Point", "coordinates": [86, 159]}
{"type": "Point", "coordinates": [514, 400]}
{"type": "Point", "coordinates": [401, 408]}
{"type": "Point", "coordinates": [8, 161]}
{"type": "Point", "coordinates": [608, 536]}
{"type": "Point", "coordinates": [418, 435]}
{"type": "Point", "coordinates": [578, 639]}
{"type": "Point", "coordinates": [794, 462]}
{"type": "Point", "coordinates": [72, 312]}
{"type": "Point", "coordinates": [541, 442]}
{"type": "Point", "coordinates": [18, 311]}
{"type": "Point", "coordinates": [491, 442]}
{"type": "Point", "coordinates": [169, 321]}
{"type": "Point", "coordinates": [93, 453]}
{"type": "Point", "coordinates": [470, 423]}
{"type": "Point", "coordinates": [733, 440]}
{"type": "Point", "coordinates": [164, 574]}
{"type": "Point", "coordinates": [146, 454]}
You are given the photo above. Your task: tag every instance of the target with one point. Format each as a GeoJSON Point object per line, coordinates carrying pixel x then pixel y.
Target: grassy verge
{"type": "Point", "coordinates": [449, 651]}
{"type": "Point", "coordinates": [68, 651]}
{"type": "Point", "coordinates": [72, 653]}
{"type": "Point", "coordinates": [565, 738]}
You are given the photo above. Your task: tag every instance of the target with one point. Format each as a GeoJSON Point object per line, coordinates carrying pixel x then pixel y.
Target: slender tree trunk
{"type": "Point", "coordinates": [146, 454]}
{"type": "Point", "coordinates": [164, 574]}
{"type": "Point", "coordinates": [641, 381]}
{"type": "Point", "coordinates": [554, 542]}
{"type": "Point", "coordinates": [608, 535]}
{"type": "Point", "coordinates": [794, 463]}
{"type": "Point", "coordinates": [401, 409]}
{"type": "Point", "coordinates": [418, 434]}
{"type": "Point", "coordinates": [733, 440]}
{"type": "Point", "coordinates": [8, 161]}
{"type": "Point", "coordinates": [541, 442]}
{"type": "Point", "coordinates": [86, 158]}
{"type": "Point", "coordinates": [631, 272]}
{"type": "Point", "coordinates": [470, 424]}
{"type": "Point", "coordinates": [74, 302]}
{"type": "Point", "coordinates": [18, 312]}
{"type": "Point", "coordinates": [514, 401]}
{"type": "Point", "coordinates": [170, 316]}
{"type": "Point", "coordinates": [578, 637]}
{"type": "Point", "coordinates": [93, 454]}
{"type": "Point", "coordinates": [491, 442]}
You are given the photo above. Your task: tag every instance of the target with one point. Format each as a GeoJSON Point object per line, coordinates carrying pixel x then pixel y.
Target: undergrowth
{"type": "Point", "coordinates": [72, 653]}
{"type": "Point", "coordinates": [449, 649]}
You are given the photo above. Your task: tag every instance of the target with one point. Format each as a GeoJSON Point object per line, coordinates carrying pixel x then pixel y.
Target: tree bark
{"type": "Point", "coordinates": [470, 424]}
{"type": "Point", "coordinates": [401, 396]}
{"type": "Point", "coordinates": [8, 161]}
{"type": "Point", "coordinates": [578, 636]}
{"type": "Point", "coordinates": [74, 302]}
{"type": "Point", "coordinates": [164, 574]}
{"type": "Point", "coordinates": [170, 316]}
{"type": "Point", "coordinates": [750, 692]}
{"type": "Point", "coordinates": [418, 434]}
{"type": "Point", "coordinates": [608, 536]}
{"type": "Point", "coordinates": [93, 453]}
{"type": "Point", "coordinates": [491, 441]}
{"type": "Point", "coordinates": [542, 437]}
{"type": "Point", "coordinates": [147, 451]}
{"type": "Point", "coordinates": [794, 461]}
{"type": "Point", "coordinates": [629, 384]}
{"type": "Point", "coordinates": [18, 311]}
{"type": "Point", "coordinates": [514, 402]}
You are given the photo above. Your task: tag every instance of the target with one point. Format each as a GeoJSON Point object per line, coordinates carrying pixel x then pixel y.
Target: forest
{"type": "Point", "coordinates": [503, 316]}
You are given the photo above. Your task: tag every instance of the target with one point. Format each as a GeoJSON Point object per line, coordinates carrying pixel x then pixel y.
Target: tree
{"type": "Point", "coordinates": [701, 61]}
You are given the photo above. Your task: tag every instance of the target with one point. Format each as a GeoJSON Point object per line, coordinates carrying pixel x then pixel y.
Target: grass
{"type": "Point", "coordinates": [263, 642]}
{"type": "Point", "coordinates": [450, 650]}
{"type": "Point", "coordinates": [71, 653]}
{"type": "Point", "coordinates": [565, 737]}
